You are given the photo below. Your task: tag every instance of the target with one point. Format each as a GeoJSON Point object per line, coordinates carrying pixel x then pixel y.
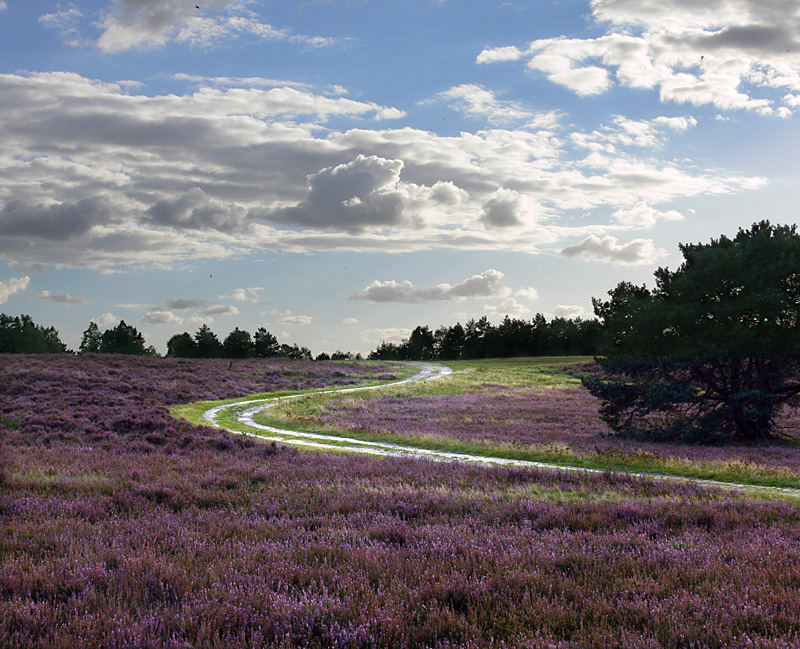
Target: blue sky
{"type": "Point", "coordinates": [340, 171]}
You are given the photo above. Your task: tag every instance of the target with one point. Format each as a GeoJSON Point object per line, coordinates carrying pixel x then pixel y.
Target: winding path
{"type": "Point", "coordinates": [428, 372]}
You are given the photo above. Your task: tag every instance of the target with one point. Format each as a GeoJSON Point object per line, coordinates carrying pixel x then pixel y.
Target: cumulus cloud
{"type": "Point", "coordinates": [508, 307]}
{"type": "Point", "coordinates": [350, 321]}
{"type": "Point", "coordinates": [487, 283]}
{"type": "Point", "coordinates": [568, 311]}
{"type": "Point", "coordinates": [527, 293]}
{"type": "Point", "coordinates": [292, 319]}
{"type": "Point", "coordinates": [498, 54]}
{"type": "Point", "coordinates": [219, 309]}
{"type": "Point", "coordinates": [507, 208]}
{"type": "Point", "coordinates": [731, 54]}
{"type": "Point", "coordinates": [184, 304]}
{"type": "Point", "coordinates": [56, 222]}
{"type": "Point", "coordinates": [226, 171]}
{"type": "Point", "coordinates": [159, 317]}
{"type": "Point", "coordinates": [349, 197]}
{"type": "Point", "coordinates": [642, 215]}
{"type": "Point", "coordinates": [638, 251]}
{"type": "Point", "coordinates": [250, 294]}
{"type": "Point", "coordinates": [105, 319]}
{"type": "Point", "coordinates": [61, 298]}
{"type": "Point", "coordinates": [11, 286]}
{"type": "Point", "coordinates": [196, 211]}
{"type": "Point", "coordinates": [153, 23]}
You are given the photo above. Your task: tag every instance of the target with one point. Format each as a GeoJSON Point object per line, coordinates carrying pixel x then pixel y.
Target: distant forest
{"type": "Point", "coordinates": [481, 339]}
{"type": "Point", "coordinates": [477, 339]}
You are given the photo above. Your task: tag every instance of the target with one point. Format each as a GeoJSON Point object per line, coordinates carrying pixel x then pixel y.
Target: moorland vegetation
{"type": "Point", "coordinates": [712, 353]}
{"type": "Point", "coordinates": [123, 527]}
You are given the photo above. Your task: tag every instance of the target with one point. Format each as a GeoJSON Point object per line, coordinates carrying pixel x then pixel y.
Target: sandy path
{"type": "Point", "coordinates": [428, 372]}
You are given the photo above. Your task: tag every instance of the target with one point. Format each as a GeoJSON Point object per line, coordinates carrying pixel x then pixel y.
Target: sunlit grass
{"type": "Point", "coordinates": [306, 413]}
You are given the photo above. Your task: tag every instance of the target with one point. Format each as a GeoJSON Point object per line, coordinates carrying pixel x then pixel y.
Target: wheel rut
{"type": "Point", "coordinates": [427, 372]}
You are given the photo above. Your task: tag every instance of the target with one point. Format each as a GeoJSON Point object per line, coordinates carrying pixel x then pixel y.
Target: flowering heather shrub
{"type": "Point", "coordinates": [109, 544]}
{"type": "Point", "coordinates": [113, 548]}
{"type": "Point", "coordinates": [108, 398]}
{"type": "Point", "coordinates": [535, 416]}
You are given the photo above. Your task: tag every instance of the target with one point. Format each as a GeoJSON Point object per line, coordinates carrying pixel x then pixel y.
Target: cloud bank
{"type": "Point", "coordinates": [250, 169]}
{"type": "Point", "coordinates": [485, 284]}
{"type": "Point", "coordinates": [731, 54]}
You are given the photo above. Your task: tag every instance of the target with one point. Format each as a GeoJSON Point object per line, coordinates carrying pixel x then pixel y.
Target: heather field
{"type": "Point", "coordinates": [532, 409]}
{"type": "Point", "coordinates": [122, 527]}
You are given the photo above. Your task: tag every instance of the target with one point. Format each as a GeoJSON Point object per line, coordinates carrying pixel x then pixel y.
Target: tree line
{"type": "Point", "coordinates": [21, 335]}
{"type": "Point", "coordinates": [237, 344]}
{"type": "Point", "coordinates": [481, 339]}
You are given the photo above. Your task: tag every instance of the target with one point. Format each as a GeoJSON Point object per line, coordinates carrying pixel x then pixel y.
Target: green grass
{"type": "Point", "coordinates": [304, 414]}
{"type": "Point", "coordinates": [193, 412]}
{"type": "Point", "coordinates": [561, 455]}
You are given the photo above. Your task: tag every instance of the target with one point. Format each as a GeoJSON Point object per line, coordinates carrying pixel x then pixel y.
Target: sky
{"type": "Point", "coordinates": [340, 171]}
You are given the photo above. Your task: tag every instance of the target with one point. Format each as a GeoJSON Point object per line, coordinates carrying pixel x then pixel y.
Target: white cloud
{"type": "Point", "coordinates": [568, 311]}
{"type": "Point", "coordinates": [133, 306]}
{"type": "Point", "coordinates": [638, 251]}
{"type": "Point", "coordinates": [250, 169]}
{"type": "Point", "coordinates": [508, 307]}
{"type": "Point", "coordinates": [626, 132]}
{"type": "Point", "coordinates": [557, 58]}
{"type": "Point", "coordinates": [195, 210]}
{"type": "Point", "coordinates": [475, 101]}
{"type": "Point", "coordinates": [485, 284]}
{"type": "Point", "coordinates": [11, 286]}
{"type": "Point", "coordinates": [65, 22]}
{"type": "Point", "coordinates": [350, 321]}
{"type": "Point", "coordinates": [642, 215]}
{"type": "Point", "coordinates": [527, 293]}
{"type": "Point", "coordinates": [290, 319]}
{"type": "Point", "coordinates": [61, 298]}
{"type": "Point", "coordinates": [249, 294]}
{"type": "Point", "coordinates": [507, 208]}
{"type": "Point", "coordinates": [733, 54]}
{"type": "Point", "coordinates": [184, 304]}
{"type": "Point", "coordinates": [154, 23]}
{"type": "Point", "coordinates": [105, 319]}
{"type": "Point", "coordinates": [219, 309]}
{"type": "Point", "coordinates": [159, 317]}
{"type": "Point", "coordinates": [499, 54]}
{"type": "Point", "coordinates": [350, 197]}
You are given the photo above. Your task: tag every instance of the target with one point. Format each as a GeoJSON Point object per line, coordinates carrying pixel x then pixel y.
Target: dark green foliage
{"type": "Point", "coordinates": [182, 346]}
{"type": "Point", "coordinates": [714, 351]}
{"type": "Point", "coordinates": [481, 339]}
{"type": "Point", "coordinates": [122, 339]}
{"type": "Point", "coordinates": [265, 345]}
{"type": "Point", "coordinates": [90, 341]}
{"type": "Point", "coordinates": [295, 352]}
{"type": "Point", "coordinates": [208, 345]}
{"type": "Point", "coordinates": [20, 334]}
{"type": "Point", "coordinates": [421, 344]}
{"type": "Point", "coordinates": [339, 355]}
{"type": "Point", "coordinates": [238, 344]}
